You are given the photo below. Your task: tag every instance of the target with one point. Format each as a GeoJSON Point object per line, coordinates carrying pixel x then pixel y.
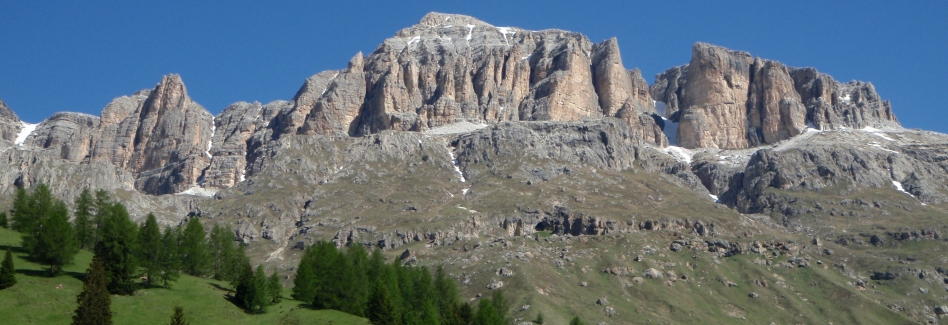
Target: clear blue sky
{"type": "Point", "coordinates": [78, 55]}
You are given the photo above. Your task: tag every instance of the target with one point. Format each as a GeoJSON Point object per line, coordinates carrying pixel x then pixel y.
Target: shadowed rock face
{"type": "Point", "coordinates": [725, 99]}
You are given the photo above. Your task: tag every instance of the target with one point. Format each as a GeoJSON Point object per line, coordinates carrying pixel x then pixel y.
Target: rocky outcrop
{"type": "Point", "coordinates": [10, 124]}
{"type": "Point", "coordinates": [774, 109]}
{"type": "Point", "coordinates": [161, 136]}
{"type": "Point", "coordinates": [725, 99]}
{"type": "Point", "coordinates": [834, 105]}
{"type": "Point", "coordinates": [69, 135]}
{"type": "Point", "coordinates": [164, 141]}
{"type": "Point", "coordinates": [340, 103]}
{"type": "Point", "coordinates": [822, 163]}
{"type": "Point", "coordinates": [234, 130]}
{"type": "Point", "coordinates": [667, 89]}
{"type": "Point", "coordinates": [713, 109]}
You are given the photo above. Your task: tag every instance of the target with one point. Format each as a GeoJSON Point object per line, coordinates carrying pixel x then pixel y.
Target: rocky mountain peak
{"type": "Point", "coordinates": [440, 19]}
{"type": "Point", "coordinates": [730, 100]}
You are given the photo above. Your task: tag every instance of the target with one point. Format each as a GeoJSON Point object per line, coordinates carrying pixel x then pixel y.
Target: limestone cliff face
{"type": "Point", "coordinates": [235, 129]}
{"type": "Point", "coordinates": [9, 123]}
{"type": "Point", "coordinates": [161, 136]}
{"type": "Point", "coordinates": [70, 135]}
{"type": "Point", "coordinates": [164, 141]}
{"type": "Point", "coordinates": [713, 113]}
{"type": "Point", "coordinates": [453, 68]}
{"type": "Point", "coordinates": [725, 99]}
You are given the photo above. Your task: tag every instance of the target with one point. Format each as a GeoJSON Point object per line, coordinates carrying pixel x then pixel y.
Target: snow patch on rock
{"type": "Point", "coordinates": [25, 133]}
{"type": "Point", "coordinates": [199, 191]}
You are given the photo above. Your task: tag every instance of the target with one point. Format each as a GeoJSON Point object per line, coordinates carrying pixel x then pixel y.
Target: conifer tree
{"type": "Point", "coordinates": [576, 321]}
{"type": "Point", "coordinates": [21, 212]}
{"type": "Point", "coordinates": [84, 223]}
{"type": "Point", "coordinates": [194, 250]}
{"type": "Point", "coordinates": [103, 207]}
{"type": "Point", "coordinates": [4, 220]}
{"type": "Point", "coordinates": [360, 286]}
{"type": "Point", "coordinates": [446, 294]}
{"type": "Point", "coordinates": [168, 262]}
{"type": "Point", "coordinates": [304, 283]}
{"type": "Point", "coordinates": [247, 293]}
{"type": "Point", "coordinates": [466, 314]}
{"type": "Point", "coordinates": [178, 317]}
{"type": "Point", "coordinates": [94, 301]}
{"type": "Point", "coordinates": [487, 314]}
{"type": "Point", "coordinates": [7, 271]}
{"type": "Point", "coordinates": [150, 247]}
{"type": "Point", "coordinates": [54, 241]}
{"type": "Point", "coordinates": [262, 298]}
{"type": "Point", "coordinates": [500, 304]}
{"type": "Point", "coordinates": [223, 250]}
{"type": "Point", "coordinates": [235, 265]}
{"type": "Point", "coordinates": [274, 287]}
{"type": "Point", "coordinates": [116, 248]}
{"type": "Point", "coordinates": [381, 308]}
{"type": "Point", "coordinates": [29, 212]}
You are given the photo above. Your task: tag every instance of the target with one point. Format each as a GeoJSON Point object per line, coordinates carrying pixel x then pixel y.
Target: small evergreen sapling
{"type": "Point", "coordinates": [7, 272]}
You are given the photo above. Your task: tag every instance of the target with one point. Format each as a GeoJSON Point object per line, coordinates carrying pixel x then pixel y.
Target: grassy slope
{"type": "Point", "coordinates": [35, 299]}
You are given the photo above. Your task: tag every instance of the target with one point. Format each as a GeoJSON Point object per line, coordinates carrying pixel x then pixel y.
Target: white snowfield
{"type": "Point", "coordinates": [199, 191]}
{"type": "Point", "coordinates": [24, 133]}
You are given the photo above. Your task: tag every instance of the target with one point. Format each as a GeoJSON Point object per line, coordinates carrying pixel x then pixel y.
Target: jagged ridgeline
{"type": "Point", "coordinates": [515, 157]}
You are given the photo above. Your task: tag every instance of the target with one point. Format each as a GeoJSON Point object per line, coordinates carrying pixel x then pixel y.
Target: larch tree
{"type": "Point", "coordinates": [54, 241]}
{"type": "Point", "coordinates": [83, 222]}
{"type": "Point", "coordinates": [195, 258]}
{"type": "Point", "coordinates": [150, 247]}
{"type": "Point", "coordinates": [117, 248]}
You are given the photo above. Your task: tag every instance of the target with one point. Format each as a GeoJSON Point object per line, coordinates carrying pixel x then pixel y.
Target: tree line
{"type": "Point", "coordinates": [129, 252]}
{"type": "Point", "coordinates": [363, 284]}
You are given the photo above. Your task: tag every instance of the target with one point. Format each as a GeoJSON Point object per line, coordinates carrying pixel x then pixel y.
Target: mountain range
{"type": "Point", "coordinates": [536, 158]}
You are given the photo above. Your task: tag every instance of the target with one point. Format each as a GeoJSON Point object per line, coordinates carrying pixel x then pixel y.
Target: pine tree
{"type": "Point", "coordinates": [150, 247]}
{"type": "Point", "coordinates": [4, 220]}
{"type": "Point", "coordinates": [7, 271]}
{"type": "Point", "coordinates": [539, 319]}
{"type": "Point", "coordinates": [94, 301]}
{"type": "Point", "coordinates": [103, 207]}
{"type": "Point", "coordinates": [246, 293]}
{"type": "Point", "coordinates": [304, 283]}
{"type": "Point", "coordinates": [261, 299]}
{"type": "Point", "coordinates": [275, 288]}
{"type": "Point", "coordinates": [236, 263]}
{"type": "Point", "coordinates": [29, 212]}
{"type": "Point", "coordinates": [84, 224]}
{"type": "Point", "coordinates": [194, 250]}
{"type": "Point", "coordinates": [54, 242]}
{"type": "Point", "coordinates": [117, 248]}
{"type": "Point", "coordinates": [446, 292]}
{"type": "Point", "coordinates": [576, 321]}
{"type": "Point", "coordinates": [381, 307]}
{"type": "Point", "coordinates": [168, 262]}
{"type": "Point", "coordinates": [360, 285]}
{"type": "Point", "coordinates": [178, 317]}
{"type": "Point", "coordinates": [466, 314]}
{"type": "Point", "coordinates": [487, 314]}
{"type": "Point", "coordinates": [21, 212]}
{"type": "Point", "coordinates": [223, 250]}
{"type": "Point", "coordinates": [501, 304]}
